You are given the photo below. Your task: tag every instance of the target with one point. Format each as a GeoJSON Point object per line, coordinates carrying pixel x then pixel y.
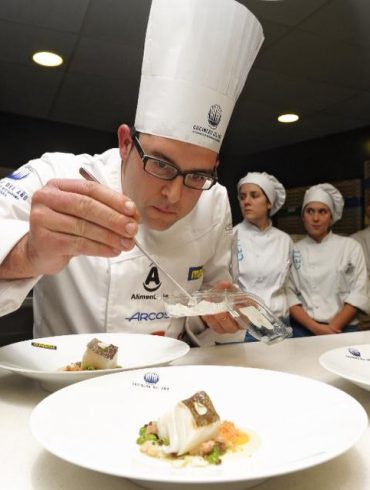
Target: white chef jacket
{"type": "Point", "coordinates": [264, 258]}
{"type": "Point", "coordinates": [363, 237]}
{"type": "Point", "coordinates": [122, 294]}
{"type": "Point", "coordinates": [328, 274]}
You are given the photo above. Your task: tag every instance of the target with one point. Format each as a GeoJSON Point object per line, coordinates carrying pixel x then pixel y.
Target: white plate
{"type": "Point", "coordinates": [352, 363]}
{"type": "Point", "coordinates": [300, 423]}
{"type": "Point", "coordinates": [41, 358]}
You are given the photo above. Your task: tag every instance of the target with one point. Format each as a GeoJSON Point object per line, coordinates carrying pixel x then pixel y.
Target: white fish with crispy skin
{"type": "Point", "coordinates": [191, 422]}
{"type": "Point", "coordinates": [99, 355]}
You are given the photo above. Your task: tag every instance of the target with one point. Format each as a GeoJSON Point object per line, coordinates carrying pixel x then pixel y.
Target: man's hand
{"type": "Point", "coordinates": [222, 322]}
{"type": "Point", "coordinates": [76, 217]}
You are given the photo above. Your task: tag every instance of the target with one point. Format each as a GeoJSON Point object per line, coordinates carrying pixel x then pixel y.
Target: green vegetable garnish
{"type": "Point", "coordinates": [144, 436]}
{"type": "Point", "coordinates": [214, 456]}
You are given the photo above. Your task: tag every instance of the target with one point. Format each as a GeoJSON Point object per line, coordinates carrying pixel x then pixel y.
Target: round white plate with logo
{"type": "Point", "coordinates": [351, 363]}
{"type": "Point", "coordinates": [43, 359]}
{"type": "Point", "coordinates": [95, 424]}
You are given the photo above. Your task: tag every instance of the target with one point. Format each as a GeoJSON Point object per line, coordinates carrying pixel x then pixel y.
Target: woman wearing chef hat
{"type": "Point", "coordinates": [74, 241]}
{"type": "Point", "coordinates": [264, 252]}
{"type": "Point", "coordinates": [328, 282]}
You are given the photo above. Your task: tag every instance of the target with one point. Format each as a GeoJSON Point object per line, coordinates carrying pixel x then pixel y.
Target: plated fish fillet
{"type": "Point", "coordinates": [99, 355]}
{"type": "Point", "coordinates": [192, 433]}
{"type": "Point", "coordinates": [190, 423]}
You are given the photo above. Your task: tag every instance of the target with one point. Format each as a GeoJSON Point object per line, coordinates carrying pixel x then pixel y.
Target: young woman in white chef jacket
{"type": "Point", "coordinates": [363, 238]}
{"type": "Point", "coordinates": [328, 281]}
{"type": "Point", "coordinates": [264, 252]}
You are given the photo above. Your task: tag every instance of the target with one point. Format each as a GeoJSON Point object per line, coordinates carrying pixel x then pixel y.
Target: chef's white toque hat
{"type": "Point", "coordinates": [270, 185]}
{"type": "Point", "coordinates": [327, 194]}
{"type": "Point", "coordinates": [197, 56]}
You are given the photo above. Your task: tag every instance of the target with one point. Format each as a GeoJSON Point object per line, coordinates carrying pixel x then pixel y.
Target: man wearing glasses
{"type": "Point", "coordinates": [73, 241]}
{"type": "Point", "coordinates": [166, 198]}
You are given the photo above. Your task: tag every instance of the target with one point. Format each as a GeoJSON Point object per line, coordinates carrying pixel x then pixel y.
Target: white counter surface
{"type": "Point", "coordinates": [25, 465]}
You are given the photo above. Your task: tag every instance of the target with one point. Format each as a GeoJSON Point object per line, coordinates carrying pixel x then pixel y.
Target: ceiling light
{"type": "Point", "coordinates": [46, 58]}
{"type": "Point", "coordinates": [288, 118]}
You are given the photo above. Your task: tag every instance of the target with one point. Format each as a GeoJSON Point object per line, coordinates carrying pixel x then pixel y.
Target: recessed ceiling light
{"type": "Point", "coordinates": [47, 58]}
{"type": "Point", "coordinates": [288, 118]}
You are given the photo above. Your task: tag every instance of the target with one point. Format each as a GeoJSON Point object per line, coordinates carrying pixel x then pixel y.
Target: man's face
{"type": "Point", "coordinates": [161, 203]}
{"type": "Point", "coordinates": [317, 220]}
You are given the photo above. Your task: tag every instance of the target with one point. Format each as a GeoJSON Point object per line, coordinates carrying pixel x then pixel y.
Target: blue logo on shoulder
{"type": "Point", "coordinates": [19, 174]}
{"type": "Point", "coordinates": [151, 378]}
{"type": "Point", "coordinates": [297, 259]}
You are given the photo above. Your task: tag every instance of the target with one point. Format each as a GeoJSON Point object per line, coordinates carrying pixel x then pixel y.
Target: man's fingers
{"type": "Point", "coordinates": [87, 208]}
{"type": "Point", "coordinates": [221, 323]}
{"type": "Point", "coordinates": [75, 227]}
{"type": "Point", "coordinates": [113, 199]}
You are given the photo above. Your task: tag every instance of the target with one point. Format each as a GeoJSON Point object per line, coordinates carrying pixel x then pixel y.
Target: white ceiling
{"type": "Point", "coordinates": [315, 61]}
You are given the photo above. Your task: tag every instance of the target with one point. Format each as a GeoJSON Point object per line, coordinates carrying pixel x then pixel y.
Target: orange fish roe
{"type": "Point", "coordinates": [231, 435]}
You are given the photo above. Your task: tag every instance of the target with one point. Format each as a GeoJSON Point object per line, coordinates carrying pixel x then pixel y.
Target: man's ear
{"type": "Point", "coordinates": [124, 140]}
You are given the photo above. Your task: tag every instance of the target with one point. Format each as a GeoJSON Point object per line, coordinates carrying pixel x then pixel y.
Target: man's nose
{"type": "Point", "coordinates": [173, 189]}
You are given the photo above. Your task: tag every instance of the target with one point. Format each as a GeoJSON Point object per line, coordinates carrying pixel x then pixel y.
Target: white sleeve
{"type": "Point", "coordinates": [292, 288]}
{"type": "Point", "coordinates": [359, 283]}
{"type": "Point", "coordinates": [13, 293]}
{"type": "Point", "coordinates": [16, 192]}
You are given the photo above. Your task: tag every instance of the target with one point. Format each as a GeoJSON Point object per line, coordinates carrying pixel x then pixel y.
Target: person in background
{"type": "Point", "coordinates": [73, 241]}
{"type": "Point", "coordinates": [264, 252]}
{"type": "Point", "coordinates": [363, 237]}
{"type": "Point", "coordinates": [328, 283]}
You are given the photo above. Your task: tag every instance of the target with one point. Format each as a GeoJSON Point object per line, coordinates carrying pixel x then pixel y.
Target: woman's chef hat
{"type": "Point", "coordinates": [196, 60]}
{"type": "Point", "coordinates": [273, 189]}
{"type": "Point", "coordinates": [327, 194]}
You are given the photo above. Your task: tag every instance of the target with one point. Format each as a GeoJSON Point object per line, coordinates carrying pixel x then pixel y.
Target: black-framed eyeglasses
{"type": "Point", "coordinates": [163, 170]}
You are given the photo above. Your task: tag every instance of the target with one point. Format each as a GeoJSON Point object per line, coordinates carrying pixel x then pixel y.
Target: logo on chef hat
{"type": "Point", "coordinates": [214, 115]}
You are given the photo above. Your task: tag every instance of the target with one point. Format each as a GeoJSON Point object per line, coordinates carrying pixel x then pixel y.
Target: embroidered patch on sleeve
{"type": "Point", "coordinates": [195, 273]}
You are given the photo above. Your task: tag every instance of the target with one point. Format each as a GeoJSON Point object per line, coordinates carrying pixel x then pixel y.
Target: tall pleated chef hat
{"type": "Point", "coordinates": [270, 185]}
{"type": "Point", "coordinates": [327, 194]}
{"type": "Point", "coordinates": [197, 56]}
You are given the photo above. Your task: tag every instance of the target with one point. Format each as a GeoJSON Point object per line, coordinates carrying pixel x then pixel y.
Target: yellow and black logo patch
{"type": "Point", "coordinates": [43, 346]}
{"type": "Point", "coordinates": [195, 273]}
